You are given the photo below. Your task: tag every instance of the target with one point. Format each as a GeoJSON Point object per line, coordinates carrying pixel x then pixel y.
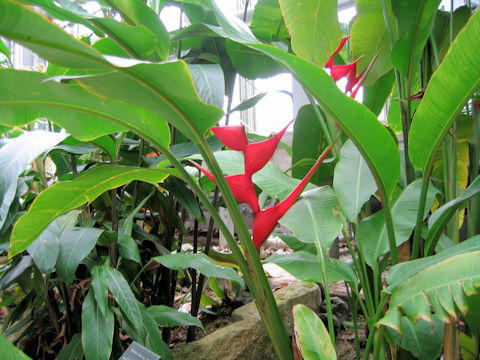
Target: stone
{"type": "Point", "coordinates": [246, 338]}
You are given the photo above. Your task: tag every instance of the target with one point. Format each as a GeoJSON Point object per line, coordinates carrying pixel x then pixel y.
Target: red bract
{"type": "Point", "coordinates": [329, 63]}
{"type": "Point", "coordinates": [241, 186]}
{"type": "Point", "coordinates": [349, 70]}
{"type": "Point", "coordinates": [232, 136]}
{"type": "Point", "coordinates": [258, 154]}
{"type": "Point", "coordinates": [265, 221]}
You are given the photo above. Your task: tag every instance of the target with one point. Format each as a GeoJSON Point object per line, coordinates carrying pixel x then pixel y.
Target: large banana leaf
{"type": "Point", "coordinates": [372, 232]}
{"type": "Point", "coordinates": [371, 138]}
{"type": "Point", "coordinates": [440, 283]}
{"type": "Point", "coordinates": [137, 41]}
{"type": "Point", "coordinates": [442, 216]}
{"type": "Point", "coordinates": [136, 12]}
{"type": "Point", "coordinates": [165, 89]}
{"type": "Point", "coordinates": [313, 27]}
{"type": "Point", "coordinates": [448, 90]}
{"type": "Point", "coordinates": [315, 217]}
{"type": "Point", "coordinates": [414, 21]}
{"type": "Point", "coordinates": [26, 96]}
{"type": "Point", "coordinates": [32, 30]}
{"type": "Point", "coordinates": [306, 267]}
{"type": "Point", "coordinates": [370, 38]}
{"type": "Point", "coordinates": [65, 196]}
{"type": "Point", "coordinates": [352, 181]}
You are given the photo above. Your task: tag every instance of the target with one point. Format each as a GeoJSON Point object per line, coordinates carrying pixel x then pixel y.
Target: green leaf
{"type": "Point", "coordinates": [249, 103]}
{"type": "Point", "coordinates": [463, 131]}
{"type": "Point", "coordinates": [128, 248]}
{"type": "Point", "coordinates": [251, 63]}
{"type": "Point", "coordinates": [137, 41]}
{"type": "Point", "coordinates": [100, 289]}
{"type": "Point", "coordinates": [267, 21]}
{"type": "Point", "coordinates": [13, 273]}
{"type": "Point", "coordinates": [307, 146]}
{"type": "Point", "coordinates": [75, 244]}
{"type": "Point", "coordinates": [97, 332]}
{"type": "Point", "coordinates": [208, 79]}
{"type": "Point", "coordinates": [185, 197]}
{"type": "Point", "coordinates": [423, 339]}
{"type": "Point", "coordinates": [446, 95]}
{"type": "Point", "coordinates": [15, 156]}
{"type": "Point", "coordinates": [74, 14]}
{"type": "Point", "coordinates": [164, 89]}
{"type": "Point", "coordinates": [441, 29]}
{"type": "Point", "coordinates": [122, 293]}
{"type": "Point", "coordinates": [441, 282]}
{"type": "Point", "coordinates": [136, 12]}
{"type": "Point", "coordinates": [65, 196]}
{"type": "Point", "coordinates": [353, 182]}
{"type": "Point", "coordinates": [166, 316]}
{"type": "Point", "coordinates": [9, 351]}
{"type": "Point", "coordinates": [372, 232]}
{"type": "Point", "coordinates": [311, 335]}
{"type": "Point", "coordinates": [370, 38]}
{"type": "Point", "coordinates": [73, 350]}
{"type": "Point", "coordinates": [440, 218]}
{"type": "Point", "coordinates": [44, 250]}
{"type": "Point", "coordinates": [315, 217]}
{"type": "Point", "coordinates": [153, 338]}
{"type": "Point", "coordinates": [306, 267]}
{"type": "Point", "coordinates": [314, 28]}
{"type": "Point", "coordinates": [51, 43]}
{"type": "Point", "coordinates": [26, 96]}
{"type": "Point", "coordinates": [200, 262]}
{"type": "Point", "coordinates": [375, 95]}
{"type": "Point", "coordinates": [415, 22]}
{"type": "Point", "coordinates": [4, 49]}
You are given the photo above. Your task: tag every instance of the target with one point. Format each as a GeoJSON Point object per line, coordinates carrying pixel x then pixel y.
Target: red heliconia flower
{"type": "Point", "coordinates": [241, 186]}
{"type": "Point", "coordinates": [258, 154]}
{"type": "Point", "coordinates": [265, 220]}
{"type": "Point", "coordinates": [232, 136]}
{"type": "Point", "coordinates": [352, 78]}
{"type": "Point", "coordinates": [329, 63]}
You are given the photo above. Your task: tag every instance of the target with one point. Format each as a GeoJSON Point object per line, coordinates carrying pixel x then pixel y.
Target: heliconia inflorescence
{"type": "Point", "coordinates": [349, 70]}
{"type": "Point", "coordinates": [256, 156]}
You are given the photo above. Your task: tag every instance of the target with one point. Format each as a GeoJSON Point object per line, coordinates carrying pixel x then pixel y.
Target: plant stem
{"type": "Point", "coordinates": [323, 124]}
{"type": "Point", "coordinates": [417, 235]}
{"type": "Point", "coordinates": [328, 302]}
{"type": "Point", "coordinates": [387, 212]}
{"type": "Point", "coordinates": [361, 277]}
{"type": "Point", "coordinates": [371, 334]}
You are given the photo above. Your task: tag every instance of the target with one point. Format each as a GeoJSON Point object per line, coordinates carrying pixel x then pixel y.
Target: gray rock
{"type": "Point", "coordinates": [246, 338]}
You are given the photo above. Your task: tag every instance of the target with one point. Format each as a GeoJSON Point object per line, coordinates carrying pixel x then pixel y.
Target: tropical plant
{"type": "Point", "coordinates": [124, 125]}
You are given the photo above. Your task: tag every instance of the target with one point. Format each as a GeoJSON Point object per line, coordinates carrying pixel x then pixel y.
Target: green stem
{"type": "Point", "coordinates": [371, 334]}
{"type": "Point", "coordinates": [404, 106]}
{"type": "Point", "coordinates": [361, 277]}
{"type": "Point", "coordinates": [387, 212]}
{"type": "Point", "coordinates": [323, 123]}
{"type": "Point", "coordinates": [417, 235]}
{"type": "Point", "coordinates": [328, 302]}
{"type": "Point", "coordinates": [474, 206]}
